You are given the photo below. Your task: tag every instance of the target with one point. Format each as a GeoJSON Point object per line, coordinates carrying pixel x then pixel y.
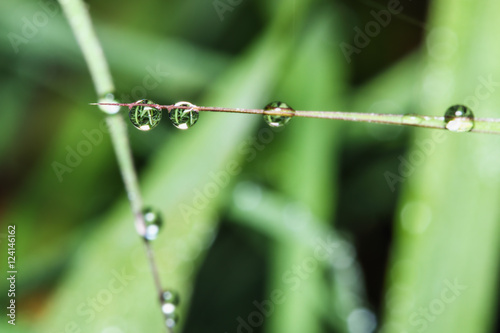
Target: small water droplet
{"type": "Point", "coordinates": [109, 109]}
{"type": "Point", "coordinates": [281, 120]}
{"type": "Point", "coordinates": [169, 302]}
{"type": "Point", "coordinates": [153, 222]}
{"type": "Point", "coordinates": [144, 118]}
{"type": "Point", "coordinates": [184, 118]}
{"type": "Point", "coordinates": [412, 119]}
{"type": "Point", "coordinates": [171, 320]}
{"type": "Point", "coordinates": [459, 118]}
{"type": "Point", "coordinates": [170, 296]}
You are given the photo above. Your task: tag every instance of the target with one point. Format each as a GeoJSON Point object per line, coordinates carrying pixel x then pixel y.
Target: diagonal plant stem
{"type": "Point", "coordinates": [80, 22]}
{"type": "Point", "coordinates": [481, 125]}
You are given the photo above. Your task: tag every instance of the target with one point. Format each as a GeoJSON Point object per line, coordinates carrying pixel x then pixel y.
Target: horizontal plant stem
{"type": "Point", "coordinates": [481, 125]}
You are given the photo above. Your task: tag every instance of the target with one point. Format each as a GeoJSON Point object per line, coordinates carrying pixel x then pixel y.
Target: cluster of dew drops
{"type": "Point", "coordinates": [458, 118]}
{"type": "Point", "coordinates": [169, 299]}
{"type": "Point", "coordinates": [145, 118]}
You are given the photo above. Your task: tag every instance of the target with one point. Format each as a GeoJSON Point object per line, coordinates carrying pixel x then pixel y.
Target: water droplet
{"type": "Point", "coordinates": [459, 118]}
{"type": "Point", "coordinates": [109, 109]}
{"type": "Point", "coordinates": [169, 302]}
{"type": "Point", "coordinates": [171, 320]}
{"type": "Point", "coordinates": [412, 119]}
{"type": "Point", "coordinates": [170, 296]}
{"type": "Point", "coordinates": [144, 118]}
{"type": "Point", "coordinates": [168, 308]}
{"type": "Point", "coordinates": [281, 120]}
{"type": "Point", "coordinates": [184, 118]}
{"type": "Point", "coordinates": [153, 222]}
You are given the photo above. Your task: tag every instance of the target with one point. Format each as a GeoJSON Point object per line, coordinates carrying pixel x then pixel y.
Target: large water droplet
{"type": "Point", "coordinates": [278, 120]}
{"type": "Point", "coordinates": [184, 118]}
{"type": "Point", "coordinates": [459, 118]}
{"type": "Point", "coordinates": [153, 222]}
{"type": "Point", "coordinates": [144, 118]}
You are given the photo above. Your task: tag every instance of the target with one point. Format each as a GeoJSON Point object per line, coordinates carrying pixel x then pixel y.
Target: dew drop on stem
{"type": "Point", "coordinates": [278, 120]}
{"type": "Point", "coordinates": [109, 109]}
{"type": "Point", "coordinates": [153, 223]}
{"type": "Point", "coordinates": [171, 320]}
{"type": "Point", "coordinates": [184, 118]}
{"type": "Point", "coordinates": [170, 296]}
{"type": "Point", "coordinates": [144, 118]}
{"type": "Point", "coordinates": [459, 118]}
{"type": "Point", "coordinates": [412, 119]}
{"type": "Point", "coordinates": [169, 302]}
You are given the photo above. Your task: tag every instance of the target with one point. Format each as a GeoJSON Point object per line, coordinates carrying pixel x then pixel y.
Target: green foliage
{"type": "Point", "coordinates": [246, 206]}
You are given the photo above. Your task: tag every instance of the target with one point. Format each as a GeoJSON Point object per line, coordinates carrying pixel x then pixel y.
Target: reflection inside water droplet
{"type": "Point", "coordinates": [184, 118]}
{"type": "Point", "coordinates": [459, 118]}
{"type": "Point", "coordinates": [278, 120]}
{"type": "Point", "coordinates": [144, 118]}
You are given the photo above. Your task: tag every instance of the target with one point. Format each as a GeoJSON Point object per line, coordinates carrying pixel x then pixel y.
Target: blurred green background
{"type": "Point", "coordinates": [323, 226]}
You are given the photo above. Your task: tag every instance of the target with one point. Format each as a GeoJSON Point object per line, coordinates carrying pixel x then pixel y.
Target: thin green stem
{"type": "Point", "coordinates": [80, 22]}
{"type": "Point", "coordinates": [77, 14]}
{"type": "Point", "coordinates": [481, 125]}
